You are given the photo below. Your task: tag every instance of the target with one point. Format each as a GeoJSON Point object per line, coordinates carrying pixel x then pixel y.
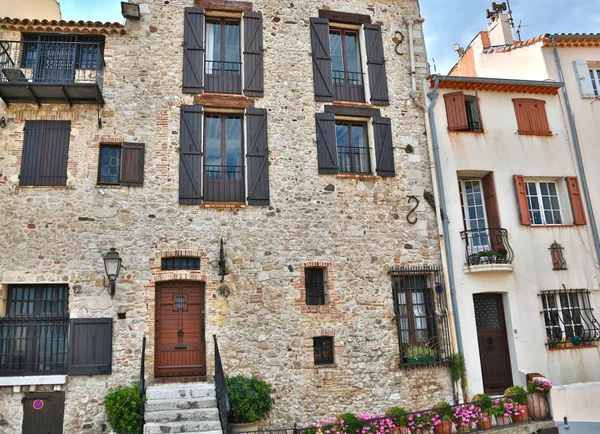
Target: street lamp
{"type": "Point", "coordinates": [112, 266]}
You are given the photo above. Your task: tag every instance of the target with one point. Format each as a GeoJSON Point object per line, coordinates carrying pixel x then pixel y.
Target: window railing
{"type": "Point", "coordinates": [421, 316]}
{"type": "Point", "coordinates": [474, 126]}
{"type": "Point", "coordinates": [52, 62]}
{"type": "Point", "coordinates": [223, 77]}
{"type": "Point", "coordinates": [487, 246]}
{"type": "Point", "coordinates": [354, 159]}
{"type": "Point", "coordinates": [223, 183]}
{"type": "Point", "coordinates": [348, 86]}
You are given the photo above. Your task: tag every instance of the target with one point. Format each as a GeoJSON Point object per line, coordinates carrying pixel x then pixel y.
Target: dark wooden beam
{"type": "Point", "coordinates": [344, 17]}
{"type": "Point", "coordinates": [223, 5]}
{"type": "Point", "coordinates": [342, 110]}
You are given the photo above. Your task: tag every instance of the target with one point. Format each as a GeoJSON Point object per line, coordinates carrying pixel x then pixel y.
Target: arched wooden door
{"type": "Point", "coordinates": [180, 341]}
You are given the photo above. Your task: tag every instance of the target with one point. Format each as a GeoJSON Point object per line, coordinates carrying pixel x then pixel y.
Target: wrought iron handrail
{"type": "Point", "coordinates": [142, 378]}
{"type": "Point", "coordinates": [348, 86]}
{"type": "Point", "coordinates": [487, 246]}
{"type": "Point", "coordinates": [221, 390]}
{"type": "Point", "coordinates": [354, 78]}
{"type": "Point", "coordinates": [222, 67]}
{"type": "Point", "coordinates": [51, 62]}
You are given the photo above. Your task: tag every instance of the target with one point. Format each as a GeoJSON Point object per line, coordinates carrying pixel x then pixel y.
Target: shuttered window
{"type": "Point", "coordinates": [45, 153]}
{"type": "Point", "coordinates": [121, 164]}
{"type": "Point", "coordinates": [90, 346]}
{"type": "Point", "coordinates": [576, 200]}
{"type": "Point", "coordinates": [462, 112]}
{"type": "Point", "coordinates": [531, 117]}
{"type": "Point", "coordinates": [588, 79]}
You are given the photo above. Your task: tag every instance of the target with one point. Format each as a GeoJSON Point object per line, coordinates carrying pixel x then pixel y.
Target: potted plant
{"type": "Point", "coordinates": [537, 405]}
{"type": "Point", "coordinates": [554, 342]}
{"type": "Point", "coordinates": [501, 253]}
{"type": "Point", "coordinates": [442, 418]}
{"type": "Point", "coordinates": [398, 416]}
{"type": "Point", "coordinates": [474, 259]}
{"type": "Point", "coordinates": [464, 417]}
{"type": "Point", "coordinates": [577, 341]}
{"type": "Point", "coordinates": [250, 400]}
{"type": "Point", "coordinates": [420, 354]}
{"type": "Point", "coordinates": [124, 409]}
{"type": "Point", "coordinates": [484, 402]}
{"type": "Point", "coordinates": [501, 410]}
{"type": "Point", "coordinates": [519, 396]}
{"type": "Point", "coordinates": [420, 422]}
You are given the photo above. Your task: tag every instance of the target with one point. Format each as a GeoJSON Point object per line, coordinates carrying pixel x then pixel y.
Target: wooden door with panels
{"type": "Point", "coordinates": [180, 340]}
{"type": "Point", "coordinates": [43, 412]}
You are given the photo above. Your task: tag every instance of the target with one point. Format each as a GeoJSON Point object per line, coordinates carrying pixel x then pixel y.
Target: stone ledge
{"type": "Point", "coordinates": [487, 268]}
{"type": "Point", "coordinates": [33, 380]}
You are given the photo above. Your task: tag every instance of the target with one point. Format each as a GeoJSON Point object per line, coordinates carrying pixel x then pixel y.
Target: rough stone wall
{"type": "Point", "coordinates": [359, 229]}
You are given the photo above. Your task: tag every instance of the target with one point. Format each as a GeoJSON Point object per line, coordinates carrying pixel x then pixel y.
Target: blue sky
{"type": "Point", "coordinates": [446, 21]}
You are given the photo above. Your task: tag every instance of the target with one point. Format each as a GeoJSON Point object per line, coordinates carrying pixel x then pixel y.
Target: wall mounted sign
{"type": "Point", "coordinates": [38, 404]}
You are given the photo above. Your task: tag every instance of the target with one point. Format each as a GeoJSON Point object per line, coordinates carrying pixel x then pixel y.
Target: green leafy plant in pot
{"type": "Point", "coordinates": [398, 416]}
{"type": "Point", "coordinates": [250, 401]}
{"type": "Point", "coordinates": [124, 409]}
{"type": "Point", "coordinates": [420, 354]}
{"type": "Point", "coordinates": [519, 396]}
{"type": "Point", "coordinates": [485, 403]}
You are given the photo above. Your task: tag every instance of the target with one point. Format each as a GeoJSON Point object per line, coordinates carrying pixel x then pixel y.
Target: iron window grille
{"type": "Point", "coordinates": [34, 332]}
{"type": "Point", "coordinates": [558, 260]}
{"type": "Point", "coordinates": [421, 315]}
{"type": "Point", "coordinates": [569, 317]}
{"type": "Point", "coordinates": [323, 350]}
{"type": "Point", "coordinates": [180, 263]}
{"type": "Point", "coordinates": [314, 282]}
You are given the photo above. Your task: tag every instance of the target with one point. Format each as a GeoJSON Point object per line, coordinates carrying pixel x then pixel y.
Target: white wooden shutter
{"type": "Point", "coordinates": [582, 73]}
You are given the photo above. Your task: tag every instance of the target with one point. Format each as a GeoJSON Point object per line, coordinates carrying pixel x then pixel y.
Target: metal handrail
{"type": "Point", "coordinates": [221, 390]}
{"type": "Point", "coordinates": [487, 246]}
{"type": "Point", "coordinates": [142, 378]}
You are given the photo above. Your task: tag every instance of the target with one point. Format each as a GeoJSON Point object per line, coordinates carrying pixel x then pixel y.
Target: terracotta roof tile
{"type": "Point", "coordinates": [62, 25]}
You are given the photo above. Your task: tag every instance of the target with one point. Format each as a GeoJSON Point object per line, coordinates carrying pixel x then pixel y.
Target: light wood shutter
{"type": "Point", "coordinates": [531, 117]}
{"type": "Point", "coordinates": [576, 201]}
{"type": "Point", "coordinates": [456, 111]}
{"type": "Point", "coordinates": [521, 191]}
{"type": "Point", "coordinates": [584, 81]}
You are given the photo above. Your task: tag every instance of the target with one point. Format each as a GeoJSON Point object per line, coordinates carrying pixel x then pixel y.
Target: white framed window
{"type": "Point", "coordinates": [475, 214]}
{"type": "Point", "coordinates": [544, 203]}
{"type": "Point", "coordinates": [595, 77]}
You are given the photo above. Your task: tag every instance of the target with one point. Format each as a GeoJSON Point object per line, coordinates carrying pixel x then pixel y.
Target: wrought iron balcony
{"type": "Point", "coordinates": [488, 246]}
{"type": "Point", "coordinates": [55, 72]}
{"type": "Point", "coordinates": [348, 86]}
{"type": "Point", "coordinates": [223, 183]}
{"type": "Point", "coordinates": [223, 77]}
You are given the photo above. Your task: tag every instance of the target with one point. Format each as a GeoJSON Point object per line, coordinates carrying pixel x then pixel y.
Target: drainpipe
{"type": "Point", "coordinates": [445, 239]}
{"type": "Point", "coordinates": [584, 184]}
{"type": "Point", "coordinates": [415, 95]}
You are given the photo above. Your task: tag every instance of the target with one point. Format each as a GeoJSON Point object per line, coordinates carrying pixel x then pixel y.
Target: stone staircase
{"type": "Point", "coordinates": [182, 408]}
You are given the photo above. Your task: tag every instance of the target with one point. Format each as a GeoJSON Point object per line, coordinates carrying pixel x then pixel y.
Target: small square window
{"type": "Point", "coordinates": [314, 283]}
{"type": "Point", "coordinates": [323, 349]}
{"type": "Point", "coordinates": [121, 164]}
{"type": "Point", "coordinates": [110, 164]}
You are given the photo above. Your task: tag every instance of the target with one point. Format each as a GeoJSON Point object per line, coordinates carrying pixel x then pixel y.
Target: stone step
{"type": "Point", "coordinates": [204, 432]}
{"type": "Point", "coordinates": [194, 390]}
{"type": "Point", "coordinates": [180, 404]}
{"type": "Point", "coordinates": [194, 415]}
{"type": "Point", "coordinates": [182, 427]}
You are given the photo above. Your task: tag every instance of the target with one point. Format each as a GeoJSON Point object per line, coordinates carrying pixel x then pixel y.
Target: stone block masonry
{"type": "Point", "coordinates": [354, 225]}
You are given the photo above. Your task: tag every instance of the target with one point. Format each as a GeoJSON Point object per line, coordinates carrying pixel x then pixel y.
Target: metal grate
{"type": "Point", "coordinates": [323, 350]}
{"type": "Point", "coordinates": [421, 315]}
{"type": "Point", "coordinates": [568, 317]}
{"type": "Point", "coordinates": [180, 263]}
{"type": "Point", "coordinates": [314, 281]}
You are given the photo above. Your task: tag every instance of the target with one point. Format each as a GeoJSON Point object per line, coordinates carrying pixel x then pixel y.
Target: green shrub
{"type": "Point", "coordinates": [250, 399]}
{"type": "Point", "coordinates": [124, 409]}
{"type": "Point", "coordinates": [483, 401]}
{"type": "Point", "coordinates": [517, 393]}
{"type": "Point", "coordinates": [443, 410]}
{"type": "Point", "coordinates": [398, 415]}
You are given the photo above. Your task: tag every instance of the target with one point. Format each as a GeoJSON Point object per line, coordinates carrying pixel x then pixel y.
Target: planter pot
{"type": "Point", "coordinates": [523, 417]}
{"type": "Point", "coordinates": [243, 427]}
{"type": "Point", "coordinates": [400, 430]}
{"type": "Point", "coordinates": [485, 422]}
{"type": "Point", "coordinates": [464, 428]}
{"type": "Point", "coordinates": [503, 420]}
{"type": "Point", "coordinates": [537, 406]}
{"type": "Point", "coordinates": [445, 427]}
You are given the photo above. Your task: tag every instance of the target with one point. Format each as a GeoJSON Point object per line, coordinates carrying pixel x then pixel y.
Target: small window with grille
{"type": "Point", "coordinates": [315, 283]}
{"type": "Point", "coordinates": [180, 263]}
{"type": "Point", "coordinates": [323, 350]}
{"type": "Point", "coordinates": [568, 317]}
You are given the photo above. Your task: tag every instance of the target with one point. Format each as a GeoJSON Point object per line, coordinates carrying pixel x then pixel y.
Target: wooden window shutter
{"type": "Point", "coordinates": [253, 54]}
{"type": "Point", "coordinates": [193, 50]}
{"type": "Point", "coordinates": [576, 200]}
{"type": "Point", "coordinates": [491, 208]}
{"type": "Point", "coordinates": [531, 117]}
{"type": "Point", "coordinates": [521, 191]}
{"type": "Point", "coordinates": [257, 157]}
{"type": "Point", "coordinates": [456, 111]}
{"type": "Point", "coordinates": [384, 148]}
{"type": "Point", "coordinates": [326, 143]}
{"type": "Point", "coordinates": [376, 65]}
{"type": "Point", "coordinates": [132, 164]}
{"type": "Point", "coordinates": [190, 155]}
{"type": "Point", "coordinates": [90, 346]}
{"type": "Point", "coordinates": [321, 59]}
{"type": "Point", "coordinates": [32, 143]}
{"type": "Point", "coordinates": [584, 81]}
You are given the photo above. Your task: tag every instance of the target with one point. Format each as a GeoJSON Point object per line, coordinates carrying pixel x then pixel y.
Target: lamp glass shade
{"type": "Point", "coordinates": [130, 10]}
{"type": "Point", "coordinates": [112, 264]}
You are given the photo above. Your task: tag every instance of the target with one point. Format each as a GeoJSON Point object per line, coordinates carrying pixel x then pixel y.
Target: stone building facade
{"type": "Point", "coordinates": [353, 226]}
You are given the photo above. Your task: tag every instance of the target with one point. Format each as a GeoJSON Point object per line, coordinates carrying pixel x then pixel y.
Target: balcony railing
{"type": "Point", "coordinates": [487, 246]}
{"type": "Point", "coordinates": [51, 72]}
{"type": "Point", "coordinates": [348, 86]}
{"type": "Point", "coordinates": [223, 77]}
{"type": "Point", "coordinates": [223, 183]}
{"type": "Point", "coordinates": [354, 159]}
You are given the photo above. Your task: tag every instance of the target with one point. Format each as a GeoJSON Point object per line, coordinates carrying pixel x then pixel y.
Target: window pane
{"type": "Point", "coordinates": [232, 44]}
{"type": "Point", "coordinates": [234, 147]}
{"type": "Point", "coordinates": [110, 157]}
{"type": "Point", "coordinates": [337, 59]}
{"type": "Point", "coordinates": [213, 141]}
{"type": "Point", "coordinates": [343, 145]}
{"type": "Point", "coordinates": [352, 52]}
{"type": "Point", "coordinates": [213, 47]}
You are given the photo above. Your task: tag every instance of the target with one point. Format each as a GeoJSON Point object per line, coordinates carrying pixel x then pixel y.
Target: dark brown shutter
{"type": "Point", "coordinates": [132, 164]}
{"type": "Point", "coordinates": [32, 144]}
{"type": "Point", "coordinates": [326, 143]}
{"type": "Point", "coordinates": [321, 55]}
{"type": "Point", "coordinates": [531, 117]}
{"type": "Point", "coordinates": [190, 155]}
{"type": "Point", "coordinates": [521, 191]}
{"type": "Point", "coordinates": [456, 111]}
{"type": "Point", "coordinates": [384, 148]}
{"type": "Point", "coordinates": [376, 65]}
{"type": "Point", "coordinates": [491, 209]}
{"type": "Point", "coordinates": [193, 50]}
{"type": "Point", "coordinates": [257, 157]}
{"type": "Point", "coordinates": [576, 201]}
{"type": "Point", "coordinates": [90, 346]}
{"type": "Point", "coordinates": [253, 54]}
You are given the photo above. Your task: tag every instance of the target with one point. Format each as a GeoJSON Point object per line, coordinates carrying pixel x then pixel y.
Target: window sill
{"type": "Point", "coordinates": [223, 205]}
{"type": "Point", "coordinates": [573, 347]}
{"type": "Point", "coordinates": [550, 134]}
{"type": "Point", "coordinates": [33, 380]}
{"type": "Point", "coordinates": [553, 226]}
{"type": "Point", "coordinates": [467, 131]}
{"type": "Point", "coordinates": [487, 268]}
{"type": "Point", "coordinates": [353, 103]}
{"type": "Point", "coordinates": [326, 366]}
{"type": "Point", "coordinates": [363, 176]}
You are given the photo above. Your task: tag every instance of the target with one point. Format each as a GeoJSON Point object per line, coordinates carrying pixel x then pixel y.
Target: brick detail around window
{"type": "Point", "coordinates": [332, 296]}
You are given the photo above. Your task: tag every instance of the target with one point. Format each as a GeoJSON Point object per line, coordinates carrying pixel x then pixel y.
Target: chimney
{"type": "Point", "coordinates": [500, 31]}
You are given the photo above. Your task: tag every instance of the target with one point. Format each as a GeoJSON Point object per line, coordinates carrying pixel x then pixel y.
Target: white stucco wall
{"type": "Point", "coordinates": [504, 152]}
{"type": "Point", "coordinates": [526, 63]}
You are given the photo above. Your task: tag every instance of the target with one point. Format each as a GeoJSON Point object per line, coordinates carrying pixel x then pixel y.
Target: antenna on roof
{"type": "Point", "coordinates": [519, 29]}
{"type": "Point", "coordinates": [511, 21]}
